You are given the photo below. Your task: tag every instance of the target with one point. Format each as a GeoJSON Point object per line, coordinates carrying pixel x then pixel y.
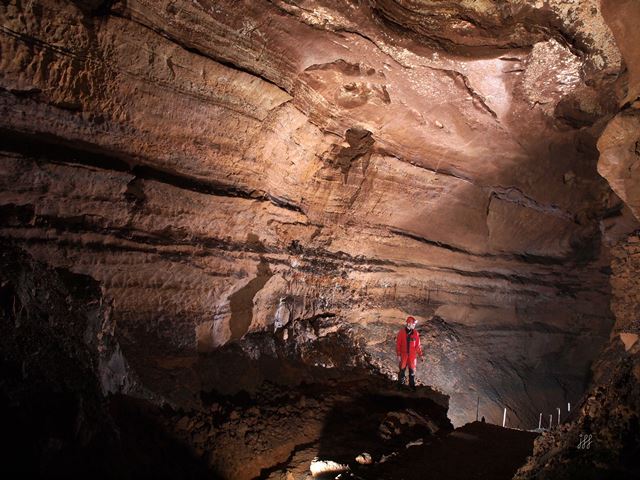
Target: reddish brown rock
{"type": "Point", "coordinates": [621, 17]}
{"type": "Point", "coordinates": [619, 161]}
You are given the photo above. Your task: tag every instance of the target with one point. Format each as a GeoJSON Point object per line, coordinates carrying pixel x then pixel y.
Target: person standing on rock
{"type": "Point", "coordinates": [408, 350]}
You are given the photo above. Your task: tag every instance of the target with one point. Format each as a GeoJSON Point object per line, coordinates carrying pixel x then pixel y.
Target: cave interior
{"type": "Point", "coordinates": [216, 215]}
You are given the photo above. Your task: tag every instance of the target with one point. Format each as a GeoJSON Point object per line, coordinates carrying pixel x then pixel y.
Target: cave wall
{"type": "Point", "coordinates": [61, 366]}
{"type": "Point", "coordinates": [223, 168]}
{"type": "Point", "coordinates": [607, 421]}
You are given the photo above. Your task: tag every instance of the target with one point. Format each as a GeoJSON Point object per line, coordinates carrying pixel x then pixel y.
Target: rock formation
{"type": "Point", "coordinates": [263, 190]}
{"type": "Point", "coordinates": [59, 358]}
{"type": "Point", "coordinates": [603, 438]}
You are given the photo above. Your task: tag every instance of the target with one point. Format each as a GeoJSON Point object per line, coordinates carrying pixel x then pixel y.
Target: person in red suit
{"type": "Point", "coordinates": [408, 350]}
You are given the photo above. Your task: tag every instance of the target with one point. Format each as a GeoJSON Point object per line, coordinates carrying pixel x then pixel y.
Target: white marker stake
{"type": "Point", "coordinates": [558, 416]}
{"type": "Point", "coordinates": [550, 421]}
{"type": "Point", "coordinates": [540, 423]}
{"type": "Point", "coordinates": [504, 417]}
{"type": "Point", "coordinates": [568, 407]}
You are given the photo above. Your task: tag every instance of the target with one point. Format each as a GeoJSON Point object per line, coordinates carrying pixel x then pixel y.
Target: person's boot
{"type": "Point", "coordinates": [412, 380]}
{"type": "Point", "coordinates": [401, 378]}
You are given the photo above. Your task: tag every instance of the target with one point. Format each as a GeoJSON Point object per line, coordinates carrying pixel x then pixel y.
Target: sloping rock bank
{"type": "Point", "coordinates": [58, 361]}
{"type": "Point", "coordinates": [602, 438]}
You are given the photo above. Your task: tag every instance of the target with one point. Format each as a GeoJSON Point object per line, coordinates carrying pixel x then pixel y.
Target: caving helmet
{"type": "Point", "coordinates": [411, 322]}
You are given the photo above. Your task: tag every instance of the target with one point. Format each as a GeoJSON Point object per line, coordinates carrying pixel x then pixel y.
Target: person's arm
{"type": "Point", "coordinates": [398, 345]}
{"type": "Point", "coordinates": [419, 347]}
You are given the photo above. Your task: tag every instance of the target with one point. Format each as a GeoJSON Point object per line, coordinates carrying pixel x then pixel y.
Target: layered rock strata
{"type": "Point", "coordinates": [226, 168]}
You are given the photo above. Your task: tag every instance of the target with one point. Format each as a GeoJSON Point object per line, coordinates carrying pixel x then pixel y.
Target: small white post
{"type": "Point", "coordinates": [540, 422]}
{"type": "Point", "coordinates": [550, 421]}
{"type": "Point", "coordinates": [568, 407]}
{"type": "Point", "coordinates": [504, 417]}
{"type": "Point", "coordinates": [558, 416]}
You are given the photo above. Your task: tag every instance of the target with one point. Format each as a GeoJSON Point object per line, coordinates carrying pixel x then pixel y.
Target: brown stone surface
{"type": "Point", "coordinates": [625, 302]}
{"type": "Point", "coordinates": [225, 168]}
{"type": "Point", "coordinates": [621, 17]}
{"type": "Point", "coordinates": [619, 161]}
{"type": "Point", "coordinates": [602, 437]}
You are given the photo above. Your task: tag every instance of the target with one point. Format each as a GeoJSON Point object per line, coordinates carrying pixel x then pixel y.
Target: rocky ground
{"type": "Point", "coordinates": [278, 433]}
{"type": "Point", "coordinates": [476, 450]}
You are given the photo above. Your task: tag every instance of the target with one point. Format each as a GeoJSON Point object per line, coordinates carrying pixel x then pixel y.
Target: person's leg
{"type": "Point", "coordinates": [412, 377]}
{"type": "Point", "coordinates": [404, 363]}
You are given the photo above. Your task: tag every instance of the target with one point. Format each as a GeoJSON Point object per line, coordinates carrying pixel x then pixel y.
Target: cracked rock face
{"type": "Point", "coordinates": [228, 168]}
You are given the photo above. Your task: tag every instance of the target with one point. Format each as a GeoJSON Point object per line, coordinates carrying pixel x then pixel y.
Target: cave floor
{"type": "Point", "coordinates": [404, 433]}
{"type": "Point", "coordinates": [474, 451]}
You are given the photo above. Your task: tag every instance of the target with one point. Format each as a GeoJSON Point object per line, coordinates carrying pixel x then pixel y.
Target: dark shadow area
{"type": "Point", "coordinates": [55, 419]}
{"type": "Point", "coordinates": [379, 423]}
{"type": "Point", "coordinates": [49, 440]}
{"type": "Point", "coordinates": [478, 451]}
{"type": "Point", "coordinates": [148, 449]}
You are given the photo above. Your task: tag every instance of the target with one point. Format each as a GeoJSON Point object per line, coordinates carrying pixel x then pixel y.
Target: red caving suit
{"type": "Point", "coordinates": [408, 348]}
